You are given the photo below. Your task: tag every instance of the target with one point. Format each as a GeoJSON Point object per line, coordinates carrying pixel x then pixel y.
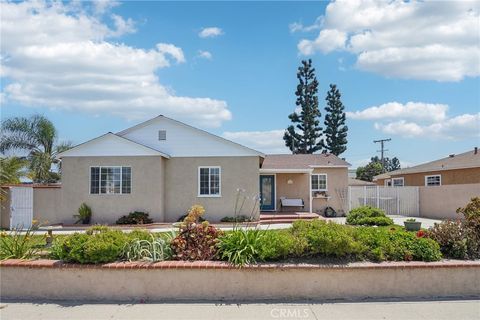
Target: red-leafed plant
{"type": "Point", "coordinates": [196, 241]}
{"type": "Point", "coordinates": [421, 234]}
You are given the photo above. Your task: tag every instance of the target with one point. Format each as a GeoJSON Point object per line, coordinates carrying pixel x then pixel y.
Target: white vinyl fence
{"type": "Point", "coordinates": [393, 200]}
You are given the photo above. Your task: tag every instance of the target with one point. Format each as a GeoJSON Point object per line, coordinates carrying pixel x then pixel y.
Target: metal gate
{"type": "Point", "coordinates": [393, 200]}
{"type": "Point", "coordinates": [21, 207]}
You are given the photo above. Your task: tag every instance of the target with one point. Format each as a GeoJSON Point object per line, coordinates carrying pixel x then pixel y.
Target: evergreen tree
{"type": "Point", "coordinates": [390, 164]}
{"type": "Point", "coordinates": [369, 171]}
{"type": "Point", "coordinates": [303, 135]}
{"type": "Point", "coordinates": [335, 128]}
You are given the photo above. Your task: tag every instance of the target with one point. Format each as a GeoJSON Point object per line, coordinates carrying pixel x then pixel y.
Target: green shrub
{"type": "Point", "coordinates": [242, 246]}
{"type": "Point", "coordinates": [240, 218]}
{"type": "Point", "coordinates": [327, 239]}
{"type": "Point", "coordinates": [281, 244]}
{"type": "Point", "coordinates": [369, 216]}
{"type": "Point", "coordinates": [153, 249]}
{"type": "Point", "coordinates": [382, 244]}
{"type": "Point", "coordinates": [98, 247]}
{"type": "Point", "coordinates": [139, 234]}
{"type": "Point", "coordinates": [471, 213]}
{"type": "Point", "coordinates": [136, 217]}
{"type": "Point", "coordinates": [196, 241]}
{"type": "Point", "coordinates": [84, 214]}
{"type": "Point", "coordinates": [20, 244]}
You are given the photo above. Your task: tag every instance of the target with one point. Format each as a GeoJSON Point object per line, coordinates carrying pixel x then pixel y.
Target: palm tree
{"type": "Point", "coordinates": [37, 137]}
{"type": "Point", "coordinates": [12, 169]}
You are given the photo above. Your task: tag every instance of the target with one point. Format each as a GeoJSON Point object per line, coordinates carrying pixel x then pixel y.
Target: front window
{"type": "Point", "coordinates": [319, 182]}
{"type": "Point", "coordinates": [209, 181]}
{"type": "Point", "coordinates": [110, 180]}
{"type": "Point", "coordinates": [397, 182]}
{"type": "Point", "coordinates": [388, 183]}
{"type": "Point", "coordinates": [435, 180]}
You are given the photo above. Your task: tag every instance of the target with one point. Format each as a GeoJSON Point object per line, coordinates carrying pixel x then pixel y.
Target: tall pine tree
{"type": "Point", "coordinates": [335, 128]}
{"type": "Point", "coordinates": [303, 135]}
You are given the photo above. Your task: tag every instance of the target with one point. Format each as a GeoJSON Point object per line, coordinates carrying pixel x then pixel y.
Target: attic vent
{"type": "Point", "coordinates": [162, 134]}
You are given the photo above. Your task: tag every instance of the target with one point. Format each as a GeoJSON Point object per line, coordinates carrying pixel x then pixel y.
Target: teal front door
{"type": "Point", "coordinates": [267, 193]}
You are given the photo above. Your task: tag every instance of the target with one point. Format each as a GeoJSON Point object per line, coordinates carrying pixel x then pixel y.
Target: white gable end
{"type": "Point", "coordinates": [110, 145]}
{"type": "Point", "coordinates": [182, 140]}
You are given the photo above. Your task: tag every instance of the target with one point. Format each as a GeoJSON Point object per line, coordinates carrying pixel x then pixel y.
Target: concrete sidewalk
{"type": "Point", "coordinates": [411, 310]}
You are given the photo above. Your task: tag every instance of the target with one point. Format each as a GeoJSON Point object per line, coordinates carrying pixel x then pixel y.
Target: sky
{"type": "Point", "coordinates": [408, 71]}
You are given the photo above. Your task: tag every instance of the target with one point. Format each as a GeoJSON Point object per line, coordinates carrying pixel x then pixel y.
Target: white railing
{"type": "Point", "coordinates": [393, 200]}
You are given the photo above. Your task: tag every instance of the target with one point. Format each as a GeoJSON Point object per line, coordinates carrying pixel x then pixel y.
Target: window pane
{"type": "Point", "coordinates": [314, 182]}
{"type": "Point", "coordinates": [322, 182]}
{"type": "Point", "coordinates": [204, 181]}
{"type": "Point", "coordinates": [94, 180]}
{"type": "Point", "coordinates": [214, 181]}
{"type": "Point", "coordinates": [126, 179]}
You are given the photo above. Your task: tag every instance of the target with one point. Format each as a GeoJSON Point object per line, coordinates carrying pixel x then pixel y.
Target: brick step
{"type": "Point", "coordinates": [288, 216]}
{"type": "Point", "coordinates": [280, 221]}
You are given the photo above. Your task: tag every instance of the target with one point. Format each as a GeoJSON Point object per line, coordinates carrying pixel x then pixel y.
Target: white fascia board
{"type": "Point", "coordinates": [327, 166]}
{"type": "Point", "coordinates": [110, 144]}
{"type": "Point", "coordinates": [286, 170]}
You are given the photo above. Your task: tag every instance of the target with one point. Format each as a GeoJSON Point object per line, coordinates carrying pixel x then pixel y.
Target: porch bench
{"type": "Point", "coordinates": [284, 202]}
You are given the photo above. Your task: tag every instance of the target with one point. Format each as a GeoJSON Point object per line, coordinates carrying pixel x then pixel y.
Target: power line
{"type": "Point", "coordinates": [382, 151]}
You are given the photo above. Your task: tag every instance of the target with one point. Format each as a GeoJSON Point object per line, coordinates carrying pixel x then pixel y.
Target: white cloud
{"type": "Point", "coordinates": [172, 50]}
{"type": "Point", "coordinates": [58, 58]}
{"type": "Point", "coordinates": [210, 32]}
{"type": "Point", "coordinates": [299, 27]}
{"type": "Point", "coordinates": [459, 127]}
{"type": "Point", "coordinates": [328, 40]}
{"type": "Point", "coordinates": [265, 141]}
{"type": "Point", "coordinates": [205, 55]}
{"type": "Point", "coordinates": [395, 110]}
{"type": "Point", "coordinates": [435, 40]}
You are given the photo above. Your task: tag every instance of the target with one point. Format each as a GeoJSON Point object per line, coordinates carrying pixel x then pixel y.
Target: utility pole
{"type": "Point", "coordinates": [382, 150]}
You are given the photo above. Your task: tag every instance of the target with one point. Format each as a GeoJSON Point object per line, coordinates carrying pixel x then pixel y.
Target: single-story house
{"type": "Point", "coordinates": [352, 182]}
{"type": "Point", "coordinates": [163, 167]}
{"type": "Point", "coordinates": [461, 168]}
{"type": "Point", "coordinates": [319, 180]}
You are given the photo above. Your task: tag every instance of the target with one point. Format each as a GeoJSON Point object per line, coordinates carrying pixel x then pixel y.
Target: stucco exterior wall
{"type": "Point", "coordinates": [47, 203]}
{"type": "Point", "coordinates": [181, 183]}
{"type": "Point", "coordinates": [442, 201]}
{"type": "Point", "coordinates": [334, 282]}
{"type": "Point", "coordinates": [458, 176]}
{"type": "Point", "coordinates": [299, 189]}
{"type": "Point", "coordinates": [147, 188]}
{"type": "Point", "coordinates": [337, 181]}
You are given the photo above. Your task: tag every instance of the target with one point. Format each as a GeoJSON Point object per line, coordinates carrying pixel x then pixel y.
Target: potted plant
{"type": "Point", "coordinates": [412, 225]}
{"type": "Point", "coordinates": [84, 214]}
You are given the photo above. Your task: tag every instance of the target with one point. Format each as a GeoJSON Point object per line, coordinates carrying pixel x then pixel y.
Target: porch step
{"type": "Point", "coordinates": [275, 218]}
{"type": "Point", "coordinates": [284, 221]}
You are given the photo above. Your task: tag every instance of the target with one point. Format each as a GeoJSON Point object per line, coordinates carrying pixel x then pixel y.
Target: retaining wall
{"type": "Point", "coordinates": [214, 281]}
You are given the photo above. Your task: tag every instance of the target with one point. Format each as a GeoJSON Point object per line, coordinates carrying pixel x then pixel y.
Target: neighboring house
{"type": "Point", "coordinates": [462, 168]}
{"type": "Point", "coordinates": [319, 180]}
{"type": "Point", "coordinates": [163, 167]}
{"type": "Point", "coordinates": [352, 182]}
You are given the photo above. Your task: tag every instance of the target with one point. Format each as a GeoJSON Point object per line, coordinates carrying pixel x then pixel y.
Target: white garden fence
{"type": "Point", "coordinates": [393, 200]}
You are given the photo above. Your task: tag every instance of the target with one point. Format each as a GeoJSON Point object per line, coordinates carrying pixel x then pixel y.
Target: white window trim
{"type": "Point", "coordinates": [219, 195]}
{"type": "Point", "coordinates": [433, 175]}
{"type": "Point", "coordinates": [400, 178]}
{"type": "Point", "coordinates": [387, 181]}
{"type": "Point", "coordinates": [326, 182]}
{"type": "Point", "coordinates": [100, 181]}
